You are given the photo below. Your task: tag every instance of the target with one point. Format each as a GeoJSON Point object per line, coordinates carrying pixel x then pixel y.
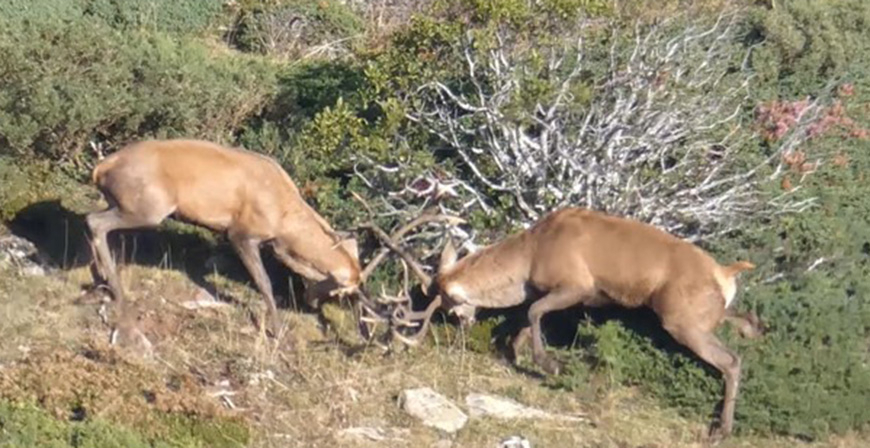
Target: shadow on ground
{"type": "Point", "coordinates": [62, 237]}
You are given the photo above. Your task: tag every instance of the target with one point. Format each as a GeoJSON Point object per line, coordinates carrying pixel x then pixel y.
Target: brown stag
{"type": "Point", "coordinates": [247, 195]}
{"type": "Point", "coordinates": [581, 257]}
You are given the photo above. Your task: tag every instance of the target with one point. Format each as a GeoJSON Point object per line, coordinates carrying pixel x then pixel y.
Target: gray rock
{"type": "Point", "coordinates": [485, 405]}
{"type": "Point", "coordinates": [20, 254]}
{"type": "Point", "coordinates": [433, 409]}
{"type": "Point", "coordinates": [443, 443]}
{"type": "Point", "coordinates": [375, 434]}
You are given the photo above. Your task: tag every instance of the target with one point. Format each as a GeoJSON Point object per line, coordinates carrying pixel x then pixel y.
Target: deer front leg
{"type": "Point", "coordinates": [248, 249]}
{"type": "Point", "coordinates": [519, 340]}
{"type": "Point", "coordinates": [315, 286]}
{"type": "Point", "coordinates": [555, 300]}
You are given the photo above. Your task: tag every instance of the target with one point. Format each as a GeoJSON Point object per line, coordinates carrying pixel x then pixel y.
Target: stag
{"type": "Point", "coordinates": [582, 257]}
{"type": "Point", "coordinates": [246, 195]}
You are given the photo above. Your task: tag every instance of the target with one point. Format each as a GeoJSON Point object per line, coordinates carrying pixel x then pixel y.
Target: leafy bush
{"type": "Point", "coordinates": [805, 43]}
{"type": "Point", "coordinates": [174, 16]}
{"type": "Point", "coordinates": [286, 28]}
{"type": "Point", "coordinates": [67, 82]}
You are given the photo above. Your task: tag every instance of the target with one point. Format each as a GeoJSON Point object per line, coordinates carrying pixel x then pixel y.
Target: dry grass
{"type": "Point", "coordinates": [300, 391]}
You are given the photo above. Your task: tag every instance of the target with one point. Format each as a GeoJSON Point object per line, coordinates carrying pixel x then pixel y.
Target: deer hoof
{"type": "Point", "coordinates": [549, 364]}
{"type": "Point", "coordinates": [274, 328]}
{"type": "Point", "coordinates": [717, 435]}
{"type": "Point", "coordinates": [131, 337]}
{"type": "Point", "coordinates": [758, 325]}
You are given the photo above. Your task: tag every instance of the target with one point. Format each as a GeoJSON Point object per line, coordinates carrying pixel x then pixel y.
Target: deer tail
{"type": "Point", "coordinates": [735, 268]}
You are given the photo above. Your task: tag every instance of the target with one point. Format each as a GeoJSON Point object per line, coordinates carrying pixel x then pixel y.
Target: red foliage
{"type": "Point", "coordinates": [845, 90]}
{"type": "Point", "coordinates": [776, 118]}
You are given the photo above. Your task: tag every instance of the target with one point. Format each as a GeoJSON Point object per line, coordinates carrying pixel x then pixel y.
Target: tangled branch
{"type": "Point", "coordinates": [661, 140]}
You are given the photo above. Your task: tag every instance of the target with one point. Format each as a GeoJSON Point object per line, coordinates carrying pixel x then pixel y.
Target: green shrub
{"type": "Point", "coordinates": [26, 425]}
{"type": "Point", "coordinates": [806, 42]}
{"type": "Point", "coordinates": [69, 82]}
{"type": "Point", "coordinates": [287, 28]}
{"type": "Point", "coordinates": [174, 16]}
{"type": "Point", "coordinates": [24, 184]}
{"type": "Point", "coordinates": [16, 12]}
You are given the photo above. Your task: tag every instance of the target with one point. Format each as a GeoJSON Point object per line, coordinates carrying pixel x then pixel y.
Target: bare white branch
{"type": "Point", "coordinates": [659, 142]}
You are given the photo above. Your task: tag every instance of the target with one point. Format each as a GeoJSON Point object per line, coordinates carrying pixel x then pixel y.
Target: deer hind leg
{"type": "Point", "coordinates": [100, 224]}
{"type": "Point", "coordinates": [709, 348]}
{"type": "Point", "coordinates": [520, 340]}
{"type": "Point", "coordinates": [558, 299]}
{"type": "Point", "coordinates": [248, 249]}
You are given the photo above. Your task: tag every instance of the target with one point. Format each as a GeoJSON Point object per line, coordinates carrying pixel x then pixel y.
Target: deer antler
{"type": "Point", "coordinates": [389, 241]}
{"type": "Point", "coordinates": [402, 316]}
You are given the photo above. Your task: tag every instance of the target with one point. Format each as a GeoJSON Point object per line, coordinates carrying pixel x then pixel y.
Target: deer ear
{"type": "Point", "coordinates": [351, 247]}
{"type": "Point", "coordinates": [448, 256]}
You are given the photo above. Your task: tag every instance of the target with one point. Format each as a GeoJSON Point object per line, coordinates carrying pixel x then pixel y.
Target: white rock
{"type": "Point", "coordinates": [375, 434]}
{"type": "Point", "coordinates": [33, 270]}
{"type": "Point", "coordinates": [443, 443]}
{"type": "Point", "coordinates": [485, 405]}
{"type": "Point", "coordinates": [20, 254]}
{"type": "Point", "coordinates": [203, 299]}
{"type": "Point", "coordinates": [433, 409]}
{"type": "Point", "coordinates": [515, 442]}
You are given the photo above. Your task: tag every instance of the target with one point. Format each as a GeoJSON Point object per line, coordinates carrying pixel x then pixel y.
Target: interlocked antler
{"type": "Point", "coordinates": [402, 314]}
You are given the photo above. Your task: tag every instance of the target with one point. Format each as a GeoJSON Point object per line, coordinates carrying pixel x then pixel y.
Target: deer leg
{"type": "Point", "coordinates": [100, 224]}
{"type": "Point", "coordinates": [315, 286]}
{"type": "Point", "coordinates": [519, 340]}
{"type": "Point", "coordinates": [556, 300]}
{"type": "Point", "coordinates": [248, 249]}
{"type": "Point", "coordinates": [748, 324]}
{"type": "Point", "coordinates": [297, 266]}
{"type": "Point", "coordinates": [709, 348]}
